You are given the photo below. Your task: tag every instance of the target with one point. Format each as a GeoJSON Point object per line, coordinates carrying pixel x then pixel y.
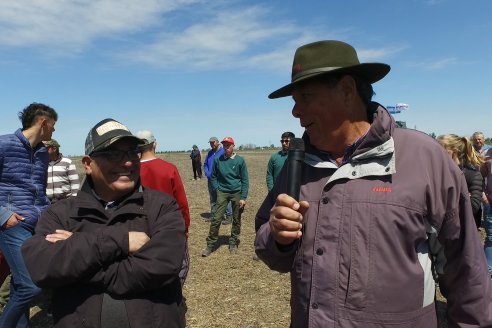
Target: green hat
{"type": "Point", "coordinates": [52, 143]}
{"type": "Point", "coordinates": [334, 57]}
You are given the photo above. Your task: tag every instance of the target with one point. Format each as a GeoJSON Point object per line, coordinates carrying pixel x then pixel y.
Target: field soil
{"type": "Point", "coordinates": [225, 290]}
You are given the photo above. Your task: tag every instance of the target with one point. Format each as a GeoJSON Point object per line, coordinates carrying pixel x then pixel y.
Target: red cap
{"type": "Point", "coordinates": [228, 139]}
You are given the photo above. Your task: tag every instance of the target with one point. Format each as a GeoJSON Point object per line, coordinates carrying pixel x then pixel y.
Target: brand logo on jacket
{"type": "Point", "coordinates": [381, 189]}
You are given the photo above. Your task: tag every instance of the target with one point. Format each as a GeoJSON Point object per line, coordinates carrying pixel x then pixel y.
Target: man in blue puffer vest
{"type": "Point", "coordinates": [23, 177]}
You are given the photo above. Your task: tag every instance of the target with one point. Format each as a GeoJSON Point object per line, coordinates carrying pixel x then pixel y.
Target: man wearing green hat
{"type": "Point", "coordinates": [63, 180]}
{"type": "Point", "coordinates": [383, 212]}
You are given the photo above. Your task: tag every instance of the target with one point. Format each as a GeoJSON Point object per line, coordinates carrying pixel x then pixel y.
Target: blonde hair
{"type": "Point", "coordinates": [463, 148]}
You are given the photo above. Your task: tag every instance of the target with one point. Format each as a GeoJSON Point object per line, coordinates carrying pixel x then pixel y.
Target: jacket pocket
{"type": "Point", "coordinates": [359, 256]}
{"type": "Point", "coordinates": [379, 260]}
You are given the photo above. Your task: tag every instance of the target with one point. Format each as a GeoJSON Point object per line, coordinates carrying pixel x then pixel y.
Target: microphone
{"type": "Point", "coordinates": [294, 169]}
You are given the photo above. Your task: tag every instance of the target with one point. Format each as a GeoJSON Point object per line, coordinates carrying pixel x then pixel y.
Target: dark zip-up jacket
{"type": "Point", "coordinates": [96, 260]}
{"type": "Point", "coordinates": [474, 181]}
{"type": "Point", "coordinates": [376, 230]}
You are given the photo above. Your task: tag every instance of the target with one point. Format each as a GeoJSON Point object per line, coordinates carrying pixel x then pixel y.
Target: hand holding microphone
{"type": "Point", "coordinates": [286, 219]}
{"type": "Point", "coordinates": [286, 215]}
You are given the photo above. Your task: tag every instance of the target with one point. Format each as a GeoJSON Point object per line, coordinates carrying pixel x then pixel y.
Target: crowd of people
{"type": "Point", "coordinates": [382, 212]}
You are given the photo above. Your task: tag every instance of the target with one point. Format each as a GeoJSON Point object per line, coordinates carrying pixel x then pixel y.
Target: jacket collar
{"type": "Point", "coordinates": [87, 193]}
{"type": "Point", "coordinates": [375, 155]}
{"type": "Point", "coordinates": [18, 133]}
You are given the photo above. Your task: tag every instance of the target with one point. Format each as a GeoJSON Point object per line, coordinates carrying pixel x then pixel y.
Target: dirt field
{"type": "Point", "coordinates": [225, 290]}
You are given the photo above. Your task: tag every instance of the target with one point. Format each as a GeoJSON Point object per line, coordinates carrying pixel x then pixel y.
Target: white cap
{"type": "Point", "coordinates": [146, 136]}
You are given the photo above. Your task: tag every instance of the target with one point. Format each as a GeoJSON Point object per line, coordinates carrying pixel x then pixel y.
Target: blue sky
{"type": "Point", "coordinates": [191, 69]}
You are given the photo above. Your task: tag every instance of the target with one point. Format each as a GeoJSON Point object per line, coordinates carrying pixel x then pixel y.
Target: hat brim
{"type": "Point", "coordinates": [371, 72]}
{"type": "Point", "coordinates": [111, 141]}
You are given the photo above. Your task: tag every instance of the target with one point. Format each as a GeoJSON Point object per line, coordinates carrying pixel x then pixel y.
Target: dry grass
{"type": "Point", "coordinates": [225, 290]}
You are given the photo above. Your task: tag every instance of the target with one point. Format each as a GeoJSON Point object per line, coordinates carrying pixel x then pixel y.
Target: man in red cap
{"type": "Point", "coordinates": [230, 180]}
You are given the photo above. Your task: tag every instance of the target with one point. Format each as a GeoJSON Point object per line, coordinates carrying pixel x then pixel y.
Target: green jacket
{"type": "Point", "coordinates": [274, 167]}
{"type": "Point", "coordinates": [230, 175]}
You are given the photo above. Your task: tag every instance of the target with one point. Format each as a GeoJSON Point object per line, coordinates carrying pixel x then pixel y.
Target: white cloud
{"type": "Point", "coordinates": [69, 26]}
{"type": "Point", "coordinates": [189, 34]}
{"type": "Point", "coordinates": [437, 64]}
{"type": "Point", "coordinates": [443, 63]}
{"type": "Point", "coordinates": [372, 55]}
{"type": "Point", "coordinates": [433, 2]}
{"type": "Point", "coordinates": [227, 37]}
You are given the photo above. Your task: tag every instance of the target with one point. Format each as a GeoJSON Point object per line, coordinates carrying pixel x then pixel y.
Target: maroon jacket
{"type": "Point", "coordinates": [376, 230]}
{"type": "Point", "coordinates": [95, 259]}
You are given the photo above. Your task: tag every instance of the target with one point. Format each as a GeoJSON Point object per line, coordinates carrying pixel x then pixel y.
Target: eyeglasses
{"type": "Point", "coordinates": [285, 141]}
{"type": "Point", "coordinates": [116, 155]}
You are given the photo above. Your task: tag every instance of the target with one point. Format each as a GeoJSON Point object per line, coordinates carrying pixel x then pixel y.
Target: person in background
{"type": "Point", "coordinates": [277, 160]}
{"type": "Point", "coordinates": [196, 162]}
{"type": "Point", "coordinates": [479, 144]}
{"type": "Point", "coordinates": [163, 176]}
{"type": "Point", "coordinates": [216, 150]}
{"type": "Point", "coordinates": [381, 210]}
{"type": "Point", "coordinates": [114, 250]}
{"type": "Point", "coordinates": [24, 169]}
{"type": "Point", "coordinates": [469, 161]}
{"type": "Point", "coordinates": [231, 182]}
{"type": "Point", "coordinates": [486, 170]}
{"type": "Point", "coordinates": [478, 140]}
{"type": "Point", "coordinates": [63, 180]}
{"type": "Point", "coordinates": [5, 286]}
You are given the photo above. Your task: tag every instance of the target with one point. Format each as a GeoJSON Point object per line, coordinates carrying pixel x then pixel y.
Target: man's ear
{"type": "Point", "coordinates": [348, 87]}
{"type": "Point", "coordinates": [43, 121]}
{"type": "Point", "coordinates": [86, 161]}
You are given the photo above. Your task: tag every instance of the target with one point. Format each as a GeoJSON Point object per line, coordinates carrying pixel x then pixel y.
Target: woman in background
{"type": "Point", "coordinates": [469, 160]}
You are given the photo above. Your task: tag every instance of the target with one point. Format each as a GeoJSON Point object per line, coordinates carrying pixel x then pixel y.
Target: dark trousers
{"type": "Point", "coordinates": [197, 169]}
{"type": "Point", "coordinates": [222, 200]}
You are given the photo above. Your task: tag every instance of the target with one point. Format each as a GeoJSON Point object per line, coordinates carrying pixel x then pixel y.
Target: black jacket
{"type": "Point", "coordinates": [474, 181]}
{"type": "Point", "coordinates": [95, 259]}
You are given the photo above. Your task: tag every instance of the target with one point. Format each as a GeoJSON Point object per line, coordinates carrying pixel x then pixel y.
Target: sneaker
{"type": "Point", "coordinates": [233, 249]}
{"type": "Point", "coordinates": [206, 251]}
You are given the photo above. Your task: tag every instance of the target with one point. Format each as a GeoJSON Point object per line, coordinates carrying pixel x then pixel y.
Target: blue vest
{"type": "Point", "coordinates": [23, 178]}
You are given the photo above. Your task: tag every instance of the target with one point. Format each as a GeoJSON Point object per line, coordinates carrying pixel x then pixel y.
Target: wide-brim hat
{"type": "Point", "coordinates": [105, 133]}
{"type": "Point", "coordinates": [329, 57]}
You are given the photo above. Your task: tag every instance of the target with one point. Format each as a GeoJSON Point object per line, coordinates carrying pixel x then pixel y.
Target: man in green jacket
{"type": "Point", "coordinates": [277, 160]}
{"type": "Point", "coordinates": [230, 179]}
